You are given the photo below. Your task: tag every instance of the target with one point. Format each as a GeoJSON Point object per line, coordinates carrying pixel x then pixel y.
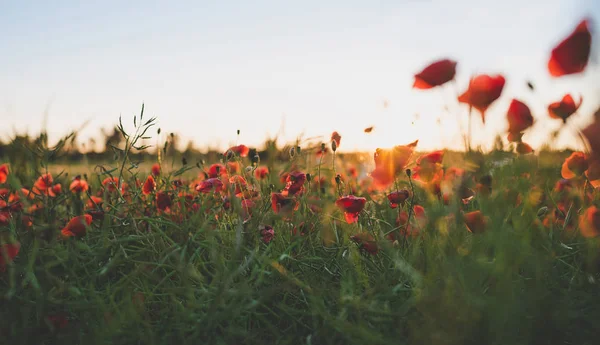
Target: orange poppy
{"type": "Point", "coordinates": [571, 55]}
{"type": "Point", "coordinates": [77, 226]}
{"type": "Point", "coordinates": [261, 172]}
{"type": "Point", "coordinates": [482, 92]}
{"type": "Point", "coordinates": [149, 185]}
{"type": "Point", "coordinates": [575, 165]}
{"type": "Point", "coordinates": [589, 222]}
{"type": "Point", "coordinates": [78, 185]}
{"type": "Point", "coordinates": [391, 162]}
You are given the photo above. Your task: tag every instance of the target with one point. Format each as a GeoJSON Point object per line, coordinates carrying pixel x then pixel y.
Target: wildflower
{"type": "Point", "coordinates": [211, 185]}
{"type": "Point", "coordinates": [366, 242]}
{"type": "Point", "coordinates": [564, 108]}
{"type": "Point", "coordinates": [519, 117]}
{"type": "Point", "coordinates": [261, 172]}
{"type": "Point", "coordinates": [8, 252]}
{"type": "Point", "coordinates": [43, 182]}
{"type": "Point", "coordinates": [3, 173]}
{"type": "Point", "coordinates": [398, 197]}
{"type": "Point", "coordinates": [155, 169]}
{"type": "Point", "coordinates": [216, 170]}
{"type": "Point", "coordinates": [575, 165]}
{"type": "Point", "coordinates": [352, 206]}
{"type": "Point", "coordinates": [77, 226]}
{"type": "Point", "coordinates": [524, 148]}
{"type": "Point", "coordinates": [266, 233]}
{"type": "Point", "coordinates": [163, 201]}
{"type": "Point", "coordinates": [294, 183]}
{"type": "Point", "coordinates": [337, 138]}
{"type": "Point", "coordinates": [283, 204]}
{"type": "Point", "coordinates": [428, 166]}
{"type": "Point", "coordinates": [436, 74]}
{"type": "Point", "coordinates": [572, 54]}
{"type": "Point", "coordinates": [110, 183]}
{"type": "Point", "coordinates": [482, 92]}
{"type": "Point", "coordinates": [590, 222]}
{"type": "Point", "coordinates": [475, 222]}
{"type": "Point", "coordinates": [78, 185]}
{"type": "Point", "coordinates": [391, 162]}
{"type": "Point", "coordinates": [240, 150]}
{"type": "Point", "coordinates": [149, 185]}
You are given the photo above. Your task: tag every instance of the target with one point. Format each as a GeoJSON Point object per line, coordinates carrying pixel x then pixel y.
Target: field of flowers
{"type": "Point", "coordinates": [317, 248]}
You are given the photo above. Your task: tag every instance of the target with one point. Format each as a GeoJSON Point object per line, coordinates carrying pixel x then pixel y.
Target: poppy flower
{"type": "Point", "coordinates": [239, 183]}
{"type": "Point", "coordinates": [475, 222]}
{"type": "Point", "coordinates": [149, 185]}
{"type": "Point", "coordinates": [369, 129]}
{"type": "Point", "coordinates": [58, 321]}
{"type": "Point", "coordinates": [575, 165]}
{"type": "Point", "coordinates": [398, 197]}
{"type": "Point", "coordinates": [436, 74]}
{"type": "Point", "coordinates": [302, 229]}
{"type": "Point", "coordinates": [110, 183]}
{"type": "Point", "coordinates": [482, 92]}
{"type": "Point", "coordinates": [239, 150]}
{"type": "Point", "coordinates": [283, 204]}
{"type": "Point", "coordinates": [266, 233]}
{"type": "Point", "coordinates": [44, 182]}
{"type": "Point", "coordinates": [366, 242]}
{"type": "Point", "coordinates": [524, 148]}
{"type": "Point", "coordinates": [428, 166]}
{"type": "Point", "coordinates": [337, 138]}
{"type": "Point", "coordinates": [248, 206]}
{"type": "Point", "coordinates": [294, 183]}
{"type": "Point", "coordinates": [391, 162]}
{"type": "Point", "coordinates": [352, 206]}
{"type": "Point", "coordinates": [163, 201]}
{"type": "Point", "coordinates": [77, 226]}
{"type": "Point", "coordinates": [3, 173]}
{"type": "Point", "coordinates": [589, 222]}
{"type": "Point", "coordinates": [56, 189]}
{"type": "Point", "coordinates": [216, 170]}
{"type": "Point", "coordinates": [94, 202]}
{"type": "Point", "coordinates": [8, 252]}
{"type": "Point", "coordinates": [519, 117]}
{"type": "Point", "coordinates": [78, 185]}
{"type": "Point", "coordinates": [211, 185]}
{"type": "Point", "coordinates": [564, 108]}
{"type": "Point", "coordinates": [572, 54]}
{"type": "Point", "coordinates": [515, 137]}
{"type": "Point", "coordinates": [592, 134]}
{"type": "Point", "coordinates": [261, 172]}
{"type": "Point", "coordinates": [155, 169]}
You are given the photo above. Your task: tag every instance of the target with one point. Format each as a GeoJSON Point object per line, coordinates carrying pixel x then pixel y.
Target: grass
{"type": "Point", "coordinates": [200, 272]}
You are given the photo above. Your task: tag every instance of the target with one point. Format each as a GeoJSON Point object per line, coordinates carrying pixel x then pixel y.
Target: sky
{"type": "Point", "coordinates": [297, 69]}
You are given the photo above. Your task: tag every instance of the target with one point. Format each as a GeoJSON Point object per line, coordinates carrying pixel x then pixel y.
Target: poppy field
{"type": "Point", "coordinates": [309, 245]}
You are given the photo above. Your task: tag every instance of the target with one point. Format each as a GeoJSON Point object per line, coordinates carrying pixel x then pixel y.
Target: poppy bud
{"type": "Point", "coordinates": [308, 177]}
{"type": "Point", "coordinates": [158, 131]}
{"type": "Point", "coordinates": [408, 172]}
{"type": "Point", "coordinates": [292, 152]}
{"type": "Point", "coordinates": [183, 161]}
{"type": "Point", "coordinates": [298, 149]}
{"type": "Point", "coordinates": [322, 147]}
{"type": "Point", "coordinates": [333, 146]}
{"type": "Point", "coordinates": [338, 178]}
{"type": "Point", "coordinates": [238, 132]}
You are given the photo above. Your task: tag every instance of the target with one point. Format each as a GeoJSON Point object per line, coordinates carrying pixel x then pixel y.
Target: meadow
{"type": "Point", "coordinates": [304, 244]}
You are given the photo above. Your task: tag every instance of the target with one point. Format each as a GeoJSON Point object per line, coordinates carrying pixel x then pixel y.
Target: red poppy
{"type": "Point", "coordinates": [211, 185]}
{"type": "Point", "coordinates": [575, 165]}
{"type": "Point", "coordinates": [216, 169]}
{"type": "Point", "coordinates": [111, 183]}
{"type": "Point", "coordinates": [565, 108]}
{"type": "Point", "coordinates": [77, 226]}
{"type": "Point", "coordinates": [366, 242]}
{"type": "Point", "coordinates": [149, 185]}
{"type": "Point", "coordinates": [436, 74]}
{"type": "Point", "coordinates": [589, 222]}
{"type": "Point", "coordinates": [519, 117]}
{"type": "Point", "coordinates": [572, 54]}
{"type": "Point", "coordinates": [391, 162]}
{"type": "Point", "coordinates": [44, 182]}
{"type": "Point", "coordinates": [155, 169]}
{"type": "Point", "coordinates": [94, 202]}
{"type": "Point", "coordinates": [240, 150]}
{"type": "Point", "coordinates": [475, 222]}
{"type": "Point", "coordinates": [56, 189]}
{"type": "Point", "coordinates": [515, 137]}
{"type": "Point", "coordinates": [283, 204]}
{"type": "Point", "coordinates": [294, 183]}
{"type": "Point", "coordinates": [3, 173]}
{"type": "Point", "coordinates": [239, 183]}
{"type": "Point", "coordinates": [4, 218]}
{"type": "Point", "coordinates": [482, 92]}
{"type": "Point", "coordinates": [163, 201]}
{"type": "Point", "coordinates": [428, 166]}
{"type": "Point", "coordinates": [78, 185]}
{"type": "Point", "coordinates": [524, 148]}
{"type": "Point", "coordinates": [248, 206]}
{"type": "Point", "coordinates": [398, 197]}
{"type": "Point", "coordinates": [261, 172]}
{"type": "Point", "coordinates": [233, 167]}
{"type": "Point", "coordinates": [337, 138]}
{"type": "Point", "coordinates": [266, 233]}
{"type": "Point", "coordinates": [8, 252]}
{"type": "Point", "coordinates": [352, 206]}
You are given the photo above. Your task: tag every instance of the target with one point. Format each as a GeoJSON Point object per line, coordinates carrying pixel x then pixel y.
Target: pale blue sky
{"type": "Point", "coordinates": [208, 68]}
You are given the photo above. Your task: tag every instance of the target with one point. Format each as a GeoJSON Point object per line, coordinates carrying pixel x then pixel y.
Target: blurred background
{"type": "Point", "coordinates": [270, 68]}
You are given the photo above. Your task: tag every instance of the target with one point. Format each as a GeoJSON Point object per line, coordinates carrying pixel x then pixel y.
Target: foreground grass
{"type": "Point", "coordinates": [202, 271]}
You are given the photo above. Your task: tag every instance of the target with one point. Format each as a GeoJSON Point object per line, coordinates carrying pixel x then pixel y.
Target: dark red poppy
{"type": "Point", "coordinates": [572, 54]}
{"type": "Point", "coordinates": [475, 222]}
{"type": "Point", "coordinates": [44, 182]}
{"type": "Point", "coordinates": [77, 226]}
{"type": "Point", "coordinates": [149, 185]}
{"type": "Point", "coordinates": [515, 137]}
{"type": "Point", "coordinates": [261, 172]}
{"type": "Point", "coordinates": [155, 169]}
{"type": "Point", "coordinates": [565, 108]}
{"type": "Point", "coordinates": [239, 150]}
{"type": "Point", "coordinates": [266, 233]}
{"type": "Point", "coordinates": [283, 204]}
{"type": "Point", "coordinates": [213, 185]}
{"type": "Point", "coordinates": [8, 252]}
{"type": "Point", "coordinates": [78, 185]}
{"type": "Point", "coordinates": [436, 74]}
{"type": "Point", "coordinates": [589, 222]}
{"type": "Point", "coordinates": [337, 138]}
{"type": "Point", "coordinates": [391, 162]}
{"type": "Point", "coordinates": [3, 173]}
{"type": "Point", "coordinates": [575, 165]}
{"type": "Point", "coordinates": [216, 170]}
{"type": "Point", "coordinates": [163, 201]}
{"type": "Point", "coordinates": [519, 117]}
{"type": "Point", "coordinates": [352, 206]}
{"type": "Point", "coordinates": [482, 92]}
{"type": "Point", "coordinates": [366, 242]}
{"type": "Point", "coordinates": [398, 197]}
{"type": "Point", "coordinates": [294, 183]}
